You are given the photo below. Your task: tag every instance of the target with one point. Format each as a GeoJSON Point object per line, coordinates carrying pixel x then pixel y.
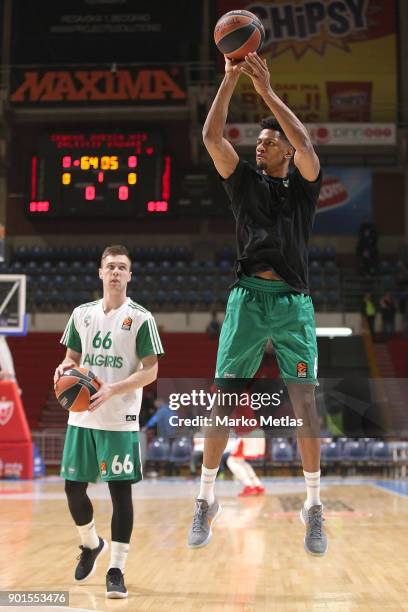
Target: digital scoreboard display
{"type": "Point", "coordinates": [99, 174]}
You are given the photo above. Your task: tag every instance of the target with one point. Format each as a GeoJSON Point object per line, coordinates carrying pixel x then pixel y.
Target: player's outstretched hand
{"type": "Point", "coordinates": [66, 365]}
{"type": "Point", "coordinates": [257, 70]}
{"type": "Point", "coordinates": [232, 66]}
{"type": "Point", "coordinates": [103, 394]}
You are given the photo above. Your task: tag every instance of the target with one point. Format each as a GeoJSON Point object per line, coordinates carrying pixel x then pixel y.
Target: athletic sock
{"type": "Point", "coordinates": [237, 467]}
{"type": "Point", "coordinates": [88, 535]}
{"type": "Point", "coordinates": [208, 477]}
{"type": "Point", "coordinates": [312, 480]}
{"type": "Point", "coordinates": [254, 480]}
{"type": "Point", "coordinates": [119, 553]}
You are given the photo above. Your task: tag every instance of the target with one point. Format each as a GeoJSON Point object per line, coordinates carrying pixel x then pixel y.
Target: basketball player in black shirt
{"type": "Point", "coordinates": [274, 212]}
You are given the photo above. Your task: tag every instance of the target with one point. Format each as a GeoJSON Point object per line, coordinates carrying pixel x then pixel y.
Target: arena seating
{"type": "Point", "coordinates": [165, 278]}
{"type": "Point", "coordinates": [337, 455]}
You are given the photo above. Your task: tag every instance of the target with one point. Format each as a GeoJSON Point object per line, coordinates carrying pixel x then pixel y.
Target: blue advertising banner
{"type": "Point", "coordinates": [345, 200]}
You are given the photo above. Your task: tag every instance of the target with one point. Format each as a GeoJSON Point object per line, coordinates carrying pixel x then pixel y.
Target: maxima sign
{"type": "Point", "coordinates": [328, 134]}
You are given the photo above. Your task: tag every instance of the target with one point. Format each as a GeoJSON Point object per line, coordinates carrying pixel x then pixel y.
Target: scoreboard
{"type": "Point", "coordinates": [99, 174]}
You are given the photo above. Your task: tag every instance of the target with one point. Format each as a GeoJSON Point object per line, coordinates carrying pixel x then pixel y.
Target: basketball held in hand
{"type": "Point", "coordinates": [238, 33]}
{"type": "Point", "coordinates": [75, 388]}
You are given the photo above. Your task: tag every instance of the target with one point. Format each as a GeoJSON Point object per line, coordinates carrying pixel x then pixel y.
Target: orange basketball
{"type": "Point", "coordinates": [75, 388]}
{"type": "Point", "coordinates": [238, 33]}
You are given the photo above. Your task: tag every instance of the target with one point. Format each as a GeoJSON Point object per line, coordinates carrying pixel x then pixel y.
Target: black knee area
{"type": "Point", "coordinates": [78, 502]}
{"type": "Point", "coordinates": [122, 515]}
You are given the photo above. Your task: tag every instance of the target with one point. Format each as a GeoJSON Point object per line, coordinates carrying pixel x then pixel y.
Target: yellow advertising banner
{"type": "Point", "coordinates": [330, 60]}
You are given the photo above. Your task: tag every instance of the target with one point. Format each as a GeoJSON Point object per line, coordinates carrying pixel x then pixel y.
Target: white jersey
{"type": "Point", "coordinates": [112, 346]}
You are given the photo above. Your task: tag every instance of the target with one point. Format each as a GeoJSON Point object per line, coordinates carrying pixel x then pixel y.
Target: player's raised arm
{"type": "Point", "coordinates": [223, 154]}
{"type": "Point", "coordinates": [305, 158]}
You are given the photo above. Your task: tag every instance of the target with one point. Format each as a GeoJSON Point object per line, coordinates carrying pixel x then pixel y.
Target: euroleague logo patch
{"type": "Point", "coordinates": [103, 468]}
{"type": "Point", "coordinates": [301, 369]}
{"type": "Point", "coordinates": [127, 323]}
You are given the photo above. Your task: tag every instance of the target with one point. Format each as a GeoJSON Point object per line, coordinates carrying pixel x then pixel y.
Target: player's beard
{"type": "Point", "coordinates": [261, 165]}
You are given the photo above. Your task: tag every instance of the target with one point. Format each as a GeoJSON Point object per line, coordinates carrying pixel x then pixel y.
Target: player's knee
{"type": "Point", "coordinates": [74, 489]}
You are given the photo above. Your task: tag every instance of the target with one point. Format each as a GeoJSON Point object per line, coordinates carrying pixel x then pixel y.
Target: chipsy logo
{"type": "Point", "coordinates": [333, 194]}
{"type": "Point", "coordinates": [6, 410]}
{"type": "Point", "coordinates": [127, 323]}
{"type": "Point", "coordinates": [299, 25]}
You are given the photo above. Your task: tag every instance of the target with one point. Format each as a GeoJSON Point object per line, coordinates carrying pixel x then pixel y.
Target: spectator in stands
{"type": "Point", "coordinates": [388, 311]}
{"type": "Point", "coordinates": [369, 311]}
{"type": "Point", "coordinates": [213, 328]}
{"type": "Point", "coordinates": [161, 418]}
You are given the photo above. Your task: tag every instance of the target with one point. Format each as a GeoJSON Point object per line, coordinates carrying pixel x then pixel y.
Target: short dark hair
{"type": "Point", "coordinates": [116, 249]}
{"type": "Point", "coordinates": [271, 123]}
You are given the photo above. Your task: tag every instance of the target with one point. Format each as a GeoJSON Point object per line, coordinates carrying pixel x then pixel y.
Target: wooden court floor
{"type": "Point", "coordinates": [255, 560]}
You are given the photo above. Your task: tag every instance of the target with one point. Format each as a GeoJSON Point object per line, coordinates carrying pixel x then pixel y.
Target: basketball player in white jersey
{"type": "Point", "coordinates": [118, 340]}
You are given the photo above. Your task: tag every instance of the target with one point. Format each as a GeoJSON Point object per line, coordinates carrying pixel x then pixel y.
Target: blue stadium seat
{"type": "Point", "coordinates": [224, 281]}
{"type": "Point", "coordinates": [44, 281]}
{"type": "Point", "coordinates": [137, 267]}
{"type": "Point", "coordinates": [196, 267]}
{"type": "Point", "coordinates": [388, 282]}
{"type": "Point", "coordinates": [175, 297]}
{"type": "Point", "coordinates": [151, 267]}
{"type": "Point", "coordinates": [62, 268]}
{"type": "Point", "coordinates": [179, 281]}
{"type": "Point", "coordinates": [32, 268]}
{"type": "Point", "coordinates": [333, 297]}
{"type": "Point", "coordinates": [315, 267]}
{"type": "Point", "coordinates": [209, 267]}
{"type": "Point", "coordinates": [331, 452]}
{"type": "Point", "coordinates": [181, 451]}
{"type": "Point", "coordinates": [385, 267]}
{"type": "Point", "coordinates": [316, 281]}
{"type": "Point", "coordinates": [58, 281]}
{"type": "Point", "coordinates": [164, 281]}
{"type": "Point", "coordinates": [379, 451]}
{"type": "Point", "coordinates": [180, 267]}
{"type": "Point", "coordinates": [16, 267]}
{"type": "Point", "coordinates": [330, 266]}
{"type": "Point", "coordinates": [90, 267]}
{"type": "Point", "coordinates": [160, 297]}
{"type": "Point", "coordinates": [193, 297]}
{"type": "Point", "coordinates": [282, 452]}
{"type": "Point", "coordinates": [158, 450]}
{"type": "Point", "coordinates": [145, 297]}
{"type": "Point", "coordinates": [193, 281]}
{"type": "Point", "coordinates": [355, 451]}
{"type": "Point", "coordinates": [331, 281]}
{"type": "Point", "coordinates": [165, 267]}
{"type": "Point", "coordinates": [329, 252]}
{"type": "Point", "coordinates": [225, 266]}
{"type": "Point", "coordinates": [208, 297]}
{"type": "Point", "coordinates": [314, 252]}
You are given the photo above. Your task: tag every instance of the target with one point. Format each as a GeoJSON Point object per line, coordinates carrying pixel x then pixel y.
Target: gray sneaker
{"type": "Point", "coordinates": [204, 516]}
{"type": "Point", "coordinates": [315, 539]}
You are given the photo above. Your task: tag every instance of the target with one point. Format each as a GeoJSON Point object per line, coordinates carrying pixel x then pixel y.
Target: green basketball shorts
{"type": "Point", "coordinates": [259, 310]}
{"type": "Point", "coordinates": [92, 453]}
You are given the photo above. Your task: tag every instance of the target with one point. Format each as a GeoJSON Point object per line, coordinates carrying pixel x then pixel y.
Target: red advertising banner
{"type": "Point", "coordinates": [16, 454]}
